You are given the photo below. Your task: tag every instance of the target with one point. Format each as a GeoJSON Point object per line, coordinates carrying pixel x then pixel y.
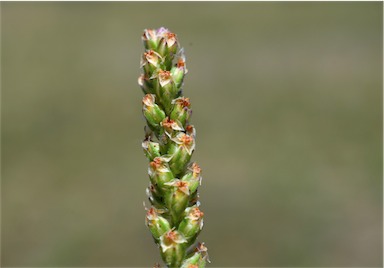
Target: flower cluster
{"type": "Point", "coordinates": [174, 218]}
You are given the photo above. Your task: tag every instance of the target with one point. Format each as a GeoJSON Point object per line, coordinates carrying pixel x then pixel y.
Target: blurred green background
{"type": "Point", "coordinates": [287, 101]}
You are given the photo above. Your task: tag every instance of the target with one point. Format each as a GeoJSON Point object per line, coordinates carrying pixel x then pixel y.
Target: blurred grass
{"type": "Point", "coordinates": [287, 101]}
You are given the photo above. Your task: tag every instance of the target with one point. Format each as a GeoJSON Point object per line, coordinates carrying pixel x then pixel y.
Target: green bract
{"type": "Point", "coordinates": [174, 218]}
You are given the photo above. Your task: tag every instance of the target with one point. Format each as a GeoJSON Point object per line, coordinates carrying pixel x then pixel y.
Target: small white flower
{"type": "Point", "coordinates": [171, 239]}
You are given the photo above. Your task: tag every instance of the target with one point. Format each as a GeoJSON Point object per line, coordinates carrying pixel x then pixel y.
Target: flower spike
{"type": "Point", "coordinates": [174, 217]}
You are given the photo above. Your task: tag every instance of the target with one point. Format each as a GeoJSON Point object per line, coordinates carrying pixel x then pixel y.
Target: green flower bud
{"type": "Point", "coordinates": [181, 111]}
{"type": "Point", "coordinates": [150, 39]}
{"type": "Point", "coordinates": [168, 46]}
{"type": "Point", "coordinates": [192, 262]}
{"type": "Point", "coordinates": [150, 62]}
{"type": "Point", "coordinates": [159, 172]}
{"type": "Point", "coordinates": [192, 224]}
{"type": "Point", "coordinates": [152, 112]}
{"type": "Point", "coordinates": [166, 89]}
{"type": "Point", "coordinates": [178, 72]}
{"type": "Point", "coordinates": [172, 248]}
{"type": "Point", "coordinates": [176, 199]}
{"type": "Point", "coordinates": [198, 259]}
{"type": "Point", "coordinates": [181, 150]}
{"type": "Point", "coordinates": [151, 149]}
{"type": "Point", "coordinates": [193, 177]}
{"type": "Point", "coordinates": [157, 224]}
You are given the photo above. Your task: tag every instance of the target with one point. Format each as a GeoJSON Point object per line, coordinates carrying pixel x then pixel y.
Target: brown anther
{"type": "Point", "coordinates": [186, 140]}
{"type": "Point", "coordinates": [156, 163]}
{"type": "Point", "coordinates": [151, 57]}
{"type": "Point", "coordinates": [151, 216]}
{"type": "Point", "coordinates": [189, 129]}
{"type": "Point", "coordinates": [156, 265]}
{"type": "Point", "coordinates": [150, 32]}
{"type": "Point", "coordinates": [182, 185]}
{"type": "Point", "coordinates": [196, 213]}
{"type": "Point", "coordinates": [201, 248]}
{"type": "Point", "coordinates": [180, 63]}
{"type": "Point", "coordinates": [184, 102]}
{"type": "Point", "coordinates": [164, 75]}
{"type": "Point", "coordinates": [171, 35]}
{"type": "Point", "coordinates": [171, 235]}
{"type": "Point", "coordinates": [193, 266]}
{"type": "Point", "coordinates": [167, 123]}
{"type": "Point", "coordinates": [148, 100]}
{"type": "Point", "coordinates": [196, 169]}
{"type": "Point", "coordinates": [149, 53]}
{"type": "Point", "coordinates": [151, 212]}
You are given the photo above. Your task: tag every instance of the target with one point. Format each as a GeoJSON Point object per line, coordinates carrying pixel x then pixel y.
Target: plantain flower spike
{"type": "Point", "coordinates": [174, 218]}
